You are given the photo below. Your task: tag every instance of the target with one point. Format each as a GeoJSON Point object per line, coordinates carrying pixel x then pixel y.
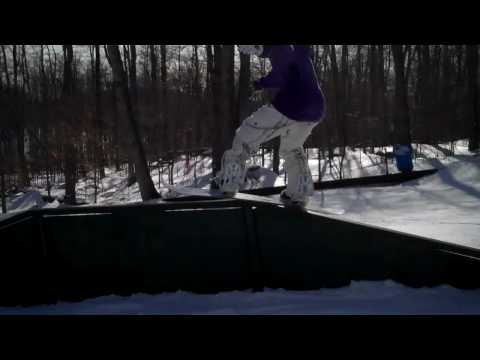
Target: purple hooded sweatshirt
{"type": "Point", "coordinates": [299, 95]}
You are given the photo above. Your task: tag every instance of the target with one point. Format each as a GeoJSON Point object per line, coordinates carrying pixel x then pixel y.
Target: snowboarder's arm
{"type": "Point", "coordinates": [280, 61]}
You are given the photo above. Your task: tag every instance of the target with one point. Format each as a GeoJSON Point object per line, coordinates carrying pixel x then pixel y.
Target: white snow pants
{"type": "Point", "coordinates": [262, 126]}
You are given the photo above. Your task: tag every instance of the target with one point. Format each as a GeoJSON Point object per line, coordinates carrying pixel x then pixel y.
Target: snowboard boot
{"type": "Point", "coordinates": [215, 187]}
{"type": "Point", "coordinates": [291, 203]}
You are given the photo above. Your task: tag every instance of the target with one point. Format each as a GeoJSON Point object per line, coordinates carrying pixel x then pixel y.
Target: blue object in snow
{"type": "Point", "coordinates": [403, 158]}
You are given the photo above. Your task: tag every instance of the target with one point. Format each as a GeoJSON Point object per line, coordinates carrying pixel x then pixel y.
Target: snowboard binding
{"type": "Point", "coordinates": [291, 203]}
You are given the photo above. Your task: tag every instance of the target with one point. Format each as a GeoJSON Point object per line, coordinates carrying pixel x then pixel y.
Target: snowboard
{"type": "Point", "coordinates": [189, 191]}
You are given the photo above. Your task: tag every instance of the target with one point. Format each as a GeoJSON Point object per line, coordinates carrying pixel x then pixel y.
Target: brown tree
{"type": "Point", "coordinates": [18, 112]}
{"type": "Point", "coordinates": [244, 89]}
{"type": "Point", "coordinates": [167, 142]}
{"type": "Point", "coordinates": [70, 153]}
{"type": "Point", "coordinates": [224, 103]}
{"type": "Point", "coordinates": [147, 189]}
{"type": "Point", "coordinates": [99, 113]}
{"type": "Point", "coordinates": [472, 69]}
{"type": "Point", "coordinates": [401, 110]}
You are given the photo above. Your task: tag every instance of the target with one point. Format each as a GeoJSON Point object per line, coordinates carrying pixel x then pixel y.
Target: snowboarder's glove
{"type": "Point", "coordinates": [257, 86]}
{"type": "Point", "coordinates": [270, 94]}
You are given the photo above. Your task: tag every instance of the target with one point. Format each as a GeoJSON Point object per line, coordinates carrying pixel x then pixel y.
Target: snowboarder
{"type": "Point", "coordinates": [298, 106]}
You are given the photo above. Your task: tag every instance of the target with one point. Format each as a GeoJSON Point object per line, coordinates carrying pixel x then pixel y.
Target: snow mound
{"type": "Point", "coordinates": [461, 168]}
{"type": "Point", "coordinates": [25, 201]}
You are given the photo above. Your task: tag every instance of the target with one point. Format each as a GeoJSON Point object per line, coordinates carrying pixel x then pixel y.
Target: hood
{"type": "Point", "coordinates": [266, 51]}
{"type": "Point", "coordinates": [303, 50]}
{"type": "Point", "coordinates": [300, 50]}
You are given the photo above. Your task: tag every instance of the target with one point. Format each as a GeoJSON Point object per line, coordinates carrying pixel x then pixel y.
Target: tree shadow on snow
{"type": "Point", "coordinates": [449, 179]}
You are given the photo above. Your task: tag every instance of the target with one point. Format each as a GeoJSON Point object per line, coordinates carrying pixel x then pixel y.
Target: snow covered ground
{"type": "Point", "coordinates": [442, 206]}
{"type": "Point", "coordinates": [360, 298]}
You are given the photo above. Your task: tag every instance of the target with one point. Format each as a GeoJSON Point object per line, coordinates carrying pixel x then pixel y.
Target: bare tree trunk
{"type": "Point", "coordinates": [445, 106]}
{"type": "Point", "coordinates": [147, 188]}
{"type": "Point", "coordinates": [210, 68]}
{"type": "Point", "coordinates": [243, 102]}
{"type": "Point", "coordinates": [153, 75]}
{"type": "Point", "coordinates": [155, 98]}
{"type": "Point", "coordinates": [44, 120]}
{"type": "Point", "coordinates": [99, 114]}
{"type": "Point", "coordinates": [276, 155]}
{"type": "Point", "coordinates": [224, 107]}
{"type": "Point", "coordinates": [339, 100]}
{"type": "Point", "coordinates": [401, 115]}
{"type": "Point", "coordinates": [19, 124]}
{"type": "Point", "coordinates": [329, 134]}
{"type": "Point", "coordinates": [209, 94]}
{"type": "Point", "coordinates": [25, 72]}
{"type": "Point", "coordinates": [437, 53]}
{"type": "Point", "coordinates": [1, 77]}
{"type": "Point", "coordinates": [52, 71]}
{"type": "Point", "coordinates": [176, 142]}
{"type": "Point", "coordinates": [472, 69]}
{"type": "Point", "coordinates": [381, 102]}
{"type": "Point", "coordinates": [218, 109]}
{"type": "Point", "coordinates": [165, 108]}
{"type": "Point", "coordinates": [244, 89]}
{"type": "Point", "coordinates": [343, 103]}
{"type": "Point", "coordinates": [132, 74]}
{"type": "Point", "coordinates": [2, 190]}
{"type": "Point", "coordinates": [70, 163]}
{"type": "Point", "coordinates": [93, 139]}
{"type": "Point", "coordinates": [5, 65]}
{"type": "Point", "coordinates": [197, 127]}
{"type": "Point", "coordinates": [458, 87]}
{"type": "Point", "coordinates": [231, 122]}
{"type": "Point", "coordinates": [133, 78]}
{"type": "Point", "coordinates": [426, 90]}
{"type": "Point", "coordinates": [372, 111]}
{"type": "Point", "coordinates": [168, 127]}
{"type": "Point", "coordinates": [114, 138]}
{"type": "Point", "coordinates": [116, 128]}
{"type": "Point", "coordinates": [410, 57]}
{"type": "Point", "coordinates": [28, 97]}
{"type": "Point", "coordinates": [381, 89]}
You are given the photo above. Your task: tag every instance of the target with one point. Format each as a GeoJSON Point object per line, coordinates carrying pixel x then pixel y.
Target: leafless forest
{"type": "Point", "coordinates": [66, 110]}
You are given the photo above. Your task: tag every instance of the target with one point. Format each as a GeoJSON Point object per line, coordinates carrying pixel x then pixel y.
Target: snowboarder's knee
{"type": "Point", "coordinates": [292, 153]}
{"type": "Point", "coordinates": [240, 149]}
